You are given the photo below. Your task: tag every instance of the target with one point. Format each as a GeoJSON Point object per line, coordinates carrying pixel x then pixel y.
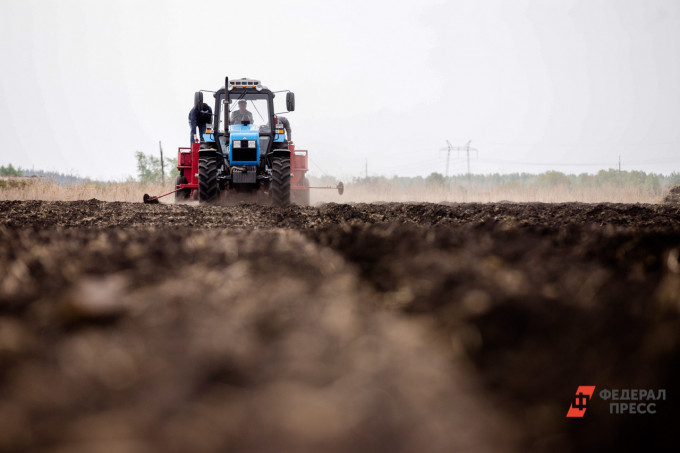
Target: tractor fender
{"type": "Point", "coordinates": [280, 153]}
{"type": "Point", "coordinates": [207, 152]}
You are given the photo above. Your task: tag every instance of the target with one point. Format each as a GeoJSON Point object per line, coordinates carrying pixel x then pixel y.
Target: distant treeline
{"type": "Point", "coordinates": [58, 178]}
{"type": "Point", "coordinates": [148, 170]}
{"type": "Point", "coordinates": [549, 179]}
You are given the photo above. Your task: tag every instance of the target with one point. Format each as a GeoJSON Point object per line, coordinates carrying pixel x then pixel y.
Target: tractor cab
{"type": "Point", "coordinates": [243, 121]}
{"type": "Point", "coordinates": [245, 125]}
{"type": "Point", "coordinates": [244, 118]}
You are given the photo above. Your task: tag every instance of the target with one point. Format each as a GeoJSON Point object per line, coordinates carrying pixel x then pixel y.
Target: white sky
{"type": "Point", "coordinates": [569, 85]}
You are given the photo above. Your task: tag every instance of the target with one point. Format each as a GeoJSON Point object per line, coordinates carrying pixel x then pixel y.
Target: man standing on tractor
{"type": "Point", "coordinates": [286, 125]}
{"type": "Point", "coordinates": [241, 114]}
{"type": "Point", "coordinates": [199, 118]}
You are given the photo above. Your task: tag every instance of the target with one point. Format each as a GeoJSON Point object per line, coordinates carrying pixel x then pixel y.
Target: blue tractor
{"type": "Point", "coordinates": [245, 154]}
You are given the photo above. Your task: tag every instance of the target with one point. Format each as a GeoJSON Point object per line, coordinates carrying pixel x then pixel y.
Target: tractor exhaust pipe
{"type": "Point", "coordinates": [226, 106]}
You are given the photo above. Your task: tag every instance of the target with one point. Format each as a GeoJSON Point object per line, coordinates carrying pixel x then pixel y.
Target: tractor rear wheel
{"type": "Point", "coordinates": [208, 188]}
{"type": "Point", "coordinates": [280, 187]}
{"type": "Point", "coordinates": [184, 194]}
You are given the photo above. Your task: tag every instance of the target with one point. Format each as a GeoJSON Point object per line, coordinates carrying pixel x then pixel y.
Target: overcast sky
{"type": "Point", "coordinates": [569, 85]}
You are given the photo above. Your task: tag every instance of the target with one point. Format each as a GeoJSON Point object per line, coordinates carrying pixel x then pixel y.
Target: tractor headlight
{"type": "Point", "coordinates": [251, 143]}
{"type": "Point", "coordinates": [236, 143]}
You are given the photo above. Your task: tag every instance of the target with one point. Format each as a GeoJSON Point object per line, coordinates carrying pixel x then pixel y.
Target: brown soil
{"type": "Point", "coordinates": [385, 327]}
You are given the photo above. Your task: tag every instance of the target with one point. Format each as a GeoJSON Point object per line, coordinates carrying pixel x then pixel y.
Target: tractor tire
{"type": "Point", "coordinates": [280, 186]}
{"type": "Point", "coordinates": [208, 188]}
{"type": "Point", "coordinates": [184, 194]}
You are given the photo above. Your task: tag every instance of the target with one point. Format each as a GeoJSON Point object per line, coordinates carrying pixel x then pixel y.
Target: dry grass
{"type": "Point", "coordinates": [44, 189]}
{"type": "Point", "coordinates": [48, 190]}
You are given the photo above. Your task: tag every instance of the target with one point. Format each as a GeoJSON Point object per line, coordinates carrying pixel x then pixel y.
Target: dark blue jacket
{"type": "Point", "coordinates": [202, 117]}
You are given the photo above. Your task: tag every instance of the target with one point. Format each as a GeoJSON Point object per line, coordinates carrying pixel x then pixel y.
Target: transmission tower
{"type": "Point", "coordinates": [467, 149]}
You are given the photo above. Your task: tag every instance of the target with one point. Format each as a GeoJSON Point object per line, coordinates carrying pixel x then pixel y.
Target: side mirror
{"type": "Point", "coordinates": [198, 99]}
{"type": "Point", "coordinates": [290, 101]}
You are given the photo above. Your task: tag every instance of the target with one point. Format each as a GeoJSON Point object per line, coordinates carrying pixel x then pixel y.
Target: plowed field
{"type": "Point", "coordinates": [372, 327]}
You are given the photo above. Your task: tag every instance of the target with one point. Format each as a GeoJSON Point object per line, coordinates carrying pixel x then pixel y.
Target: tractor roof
{"type": "Point", "coordinates": [244, 83]}
{"type": "Point", "coordinates": [240, 89]}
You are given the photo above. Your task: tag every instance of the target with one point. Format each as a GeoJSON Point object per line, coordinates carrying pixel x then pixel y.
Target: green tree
{"type": "Point", "coordinates": [149, 168]}
{"type": "Point", "coordinates": [585, 180]}
{"type": "Point", "coordinates": [171, 170]}
{"type": "Point", "coordinates": [9, 170]}
{"type": "Point", "coordinates": [435, 179]}
{"type": "Point", "coordinates": [553, 179]}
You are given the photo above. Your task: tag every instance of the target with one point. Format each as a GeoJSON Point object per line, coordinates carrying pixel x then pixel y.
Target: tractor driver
{"type": "Point", "coordinates": [240, 115]}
